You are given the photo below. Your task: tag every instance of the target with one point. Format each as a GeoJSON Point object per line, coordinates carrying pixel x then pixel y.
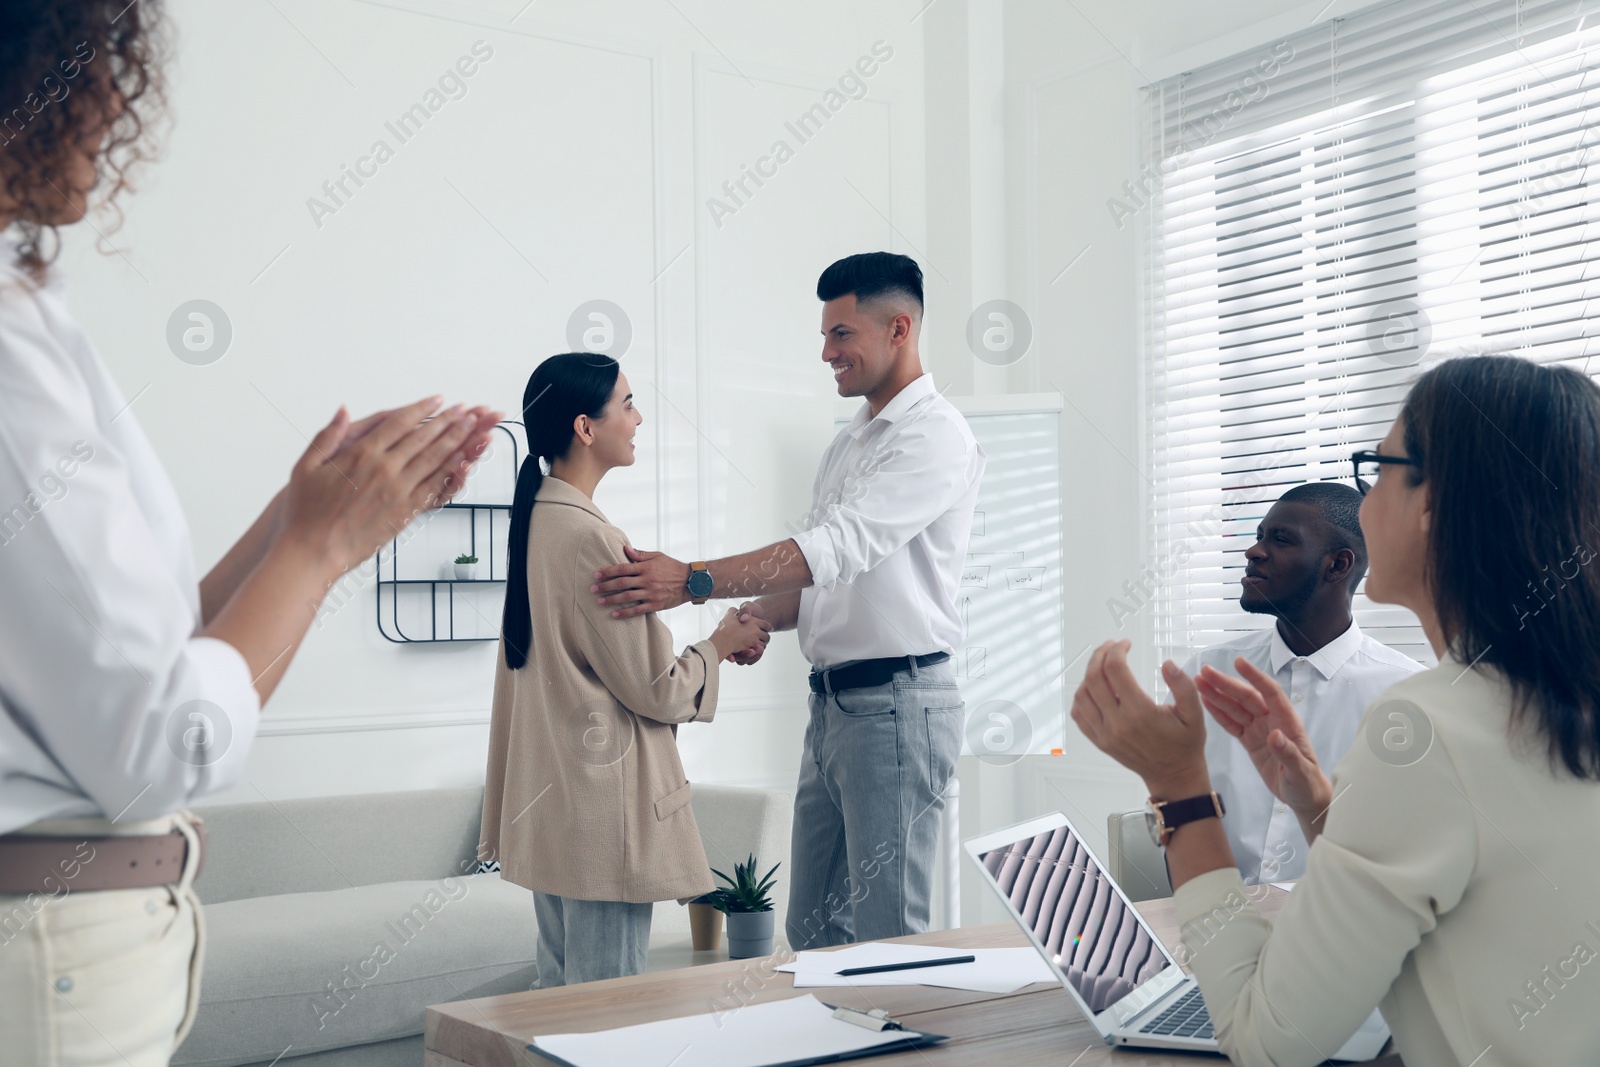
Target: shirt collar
{"type": "Point", "coordinates": [1327, 660]}
{"type": "Point", "coordinates": [553, 490]}
{"type": "Point", "coordinates": [914, 392]}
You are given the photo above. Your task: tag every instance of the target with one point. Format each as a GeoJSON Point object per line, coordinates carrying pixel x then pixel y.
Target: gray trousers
{"type": "Point", "coordinates": [873, 775]}
{"type": "Point", "coordinates": [587, 940]}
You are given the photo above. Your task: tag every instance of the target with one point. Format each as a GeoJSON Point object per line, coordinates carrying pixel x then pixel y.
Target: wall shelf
{"type": "Point", "coordinates": [441, 612]}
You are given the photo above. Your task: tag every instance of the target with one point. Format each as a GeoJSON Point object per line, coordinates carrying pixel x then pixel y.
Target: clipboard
{"type": "Point", "coordinates": [879, 1020]}
{"type": "Point", "coordinates": [793, 1032]}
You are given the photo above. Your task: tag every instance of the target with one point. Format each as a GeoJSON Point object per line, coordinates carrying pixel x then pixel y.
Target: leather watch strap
{"type": "Point", "coordinates": [1176, 813]}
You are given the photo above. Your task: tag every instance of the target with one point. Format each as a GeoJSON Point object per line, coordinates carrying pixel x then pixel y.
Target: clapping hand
{"type": "Point", "coordinates": [482, 414]}
{"type": "Point", "coordinates": [1255, 709]}
{"type": "Point", "coordinates": [346, 496]}
{"type": "Point", "coordinates": [1162, 743]}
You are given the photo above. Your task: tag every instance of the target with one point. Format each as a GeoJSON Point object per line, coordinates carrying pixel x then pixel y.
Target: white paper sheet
{"type": "Point", "coordinates": [798, 1028]}
{"type": "Point", "coordinates": [996, 970]}
{"type": "Point", "coordinates": [1287, 887]}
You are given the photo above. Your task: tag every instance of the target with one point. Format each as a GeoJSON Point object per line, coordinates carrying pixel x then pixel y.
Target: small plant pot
{"type": "Point", "coordinates": [466, 572]}
{"type": "Point", "coordinates": [705, 927]}
{"type": "Point", "coordinates": [749, 934]}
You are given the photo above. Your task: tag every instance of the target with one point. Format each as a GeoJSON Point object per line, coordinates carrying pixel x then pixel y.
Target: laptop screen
{"type": "Point", "coordinates": [1086, 927]}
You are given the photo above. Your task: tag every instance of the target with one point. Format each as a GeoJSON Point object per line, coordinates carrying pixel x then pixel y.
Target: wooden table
{"type": "Point", "coordinates": [1038, 1025]}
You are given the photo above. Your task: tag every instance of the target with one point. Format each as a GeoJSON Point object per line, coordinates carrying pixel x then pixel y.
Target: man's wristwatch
{"type": "Point", "coordinates": [700, 583]}
{"type": "Point", "coordinates": [1161, 817]}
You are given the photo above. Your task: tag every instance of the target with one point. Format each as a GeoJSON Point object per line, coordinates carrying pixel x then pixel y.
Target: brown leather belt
{"type": "Point", "coordinates": [55, 865]}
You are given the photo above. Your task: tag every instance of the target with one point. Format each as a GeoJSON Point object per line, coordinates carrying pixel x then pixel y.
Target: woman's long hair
{"type": "Point", "coordinates": [559, 390]}
{"type": "Point", "coordinates": [1510, 453]}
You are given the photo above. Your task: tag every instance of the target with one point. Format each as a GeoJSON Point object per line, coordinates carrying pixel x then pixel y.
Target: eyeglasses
{"type": "Point", "coordinates": [1374, 463]}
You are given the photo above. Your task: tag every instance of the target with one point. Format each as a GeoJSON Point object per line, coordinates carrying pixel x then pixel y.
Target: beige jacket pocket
{"type": "Point", "coordinates": [672, 801]}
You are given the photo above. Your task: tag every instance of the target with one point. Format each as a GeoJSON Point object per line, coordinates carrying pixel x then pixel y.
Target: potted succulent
{"type": "Point", "coordinates": [705, 921]}
{"type": "Point", "coordinates": [466, 567]}
{"type": "Point", "coordinates": [749, 910]}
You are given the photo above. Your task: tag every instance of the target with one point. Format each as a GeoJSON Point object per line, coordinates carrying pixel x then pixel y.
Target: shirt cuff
{"type": "Point", "coordinates": [225, 680]}
{"type": "Point", "coordinates": [817, 547]}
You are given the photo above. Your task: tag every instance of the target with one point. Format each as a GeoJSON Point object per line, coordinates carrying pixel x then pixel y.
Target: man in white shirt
{"type": "Point", "coordinates": [1308, 558]}
{"type": "Point", "coordinates": [870, 585]}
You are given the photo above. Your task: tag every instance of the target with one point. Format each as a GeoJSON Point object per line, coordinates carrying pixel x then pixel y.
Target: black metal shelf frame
{"type": "Point", "coordinates": [395, 583]}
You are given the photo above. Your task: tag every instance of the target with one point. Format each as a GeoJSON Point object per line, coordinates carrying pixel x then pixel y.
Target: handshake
{"type": "Point", "coordinates": [654, 581]}
{"type": "Point", "coordinates": [742, 635]}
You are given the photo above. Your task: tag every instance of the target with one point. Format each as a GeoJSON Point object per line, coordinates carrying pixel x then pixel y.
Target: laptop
{"type": "Point", "coordinates": [1102, 952]}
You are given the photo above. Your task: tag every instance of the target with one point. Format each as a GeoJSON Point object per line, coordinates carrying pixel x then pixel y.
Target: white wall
{"type": "Point", "coordinates": [1068, 109]}
{"type": "Point", "coordinates": [577, 167]}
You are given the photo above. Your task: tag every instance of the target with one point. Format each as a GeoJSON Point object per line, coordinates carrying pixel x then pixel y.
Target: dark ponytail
{"type": "Point", "coordinates": [559, 390]}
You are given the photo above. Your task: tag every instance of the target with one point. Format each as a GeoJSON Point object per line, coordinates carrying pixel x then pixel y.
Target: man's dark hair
{"type": "Point", "coordinates": [872, 276]}
{"type": "Point", "coordinates": [1340, 506]}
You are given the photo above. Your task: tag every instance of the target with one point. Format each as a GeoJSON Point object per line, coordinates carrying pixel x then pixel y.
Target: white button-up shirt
{"type": "Point", "coordinates": [101, 674]}
{"type": "Point", "coordinates": [1330, 689]}
{"type": "Point", "coordinates": [887, 535]}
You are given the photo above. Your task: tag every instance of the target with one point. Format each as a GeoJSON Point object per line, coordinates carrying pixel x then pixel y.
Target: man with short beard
{"type": "Point", "coordinates": [869, 586]}
{"type": "Point", "coordinates": [1308, 559]}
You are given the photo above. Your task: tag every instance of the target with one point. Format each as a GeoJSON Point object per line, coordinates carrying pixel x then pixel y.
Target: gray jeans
{"type": "Point", "coordinates": [587, 940]}
{"type": "Point", "coordinates": [876, 766]}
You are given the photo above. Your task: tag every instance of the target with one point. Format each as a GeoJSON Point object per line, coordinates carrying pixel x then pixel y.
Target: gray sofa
{"type": "Point", "coordinates": [332, 922]}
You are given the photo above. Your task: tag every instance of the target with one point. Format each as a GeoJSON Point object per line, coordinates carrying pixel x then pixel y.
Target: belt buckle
{"type": "Point", "coordinates": [819, 680]}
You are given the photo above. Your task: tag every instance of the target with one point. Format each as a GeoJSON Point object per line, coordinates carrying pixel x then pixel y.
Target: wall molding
{"type": "Point", "coordinates": [302, 723]}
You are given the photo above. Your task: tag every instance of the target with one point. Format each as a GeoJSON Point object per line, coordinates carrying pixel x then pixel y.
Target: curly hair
{"type": "Point", "coordinates": [70, 69]}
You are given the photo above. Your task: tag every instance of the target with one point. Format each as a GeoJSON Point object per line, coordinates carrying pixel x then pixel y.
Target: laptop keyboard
{"type": "Point", "coordinates": [1186, 1017]}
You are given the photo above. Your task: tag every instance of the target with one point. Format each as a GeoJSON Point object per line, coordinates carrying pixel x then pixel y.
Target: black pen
{"type": "Point", "coordinates": [906, 966]}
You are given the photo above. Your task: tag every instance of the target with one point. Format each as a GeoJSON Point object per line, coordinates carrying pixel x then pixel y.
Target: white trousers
{"type": "Point", "coordinates": [101, 978]}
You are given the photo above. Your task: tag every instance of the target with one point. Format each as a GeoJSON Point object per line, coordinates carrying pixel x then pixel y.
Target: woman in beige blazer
{"type": "Point", "coordinates": [585, 801]}
{"type": "Point", "coordinates": [1453, 879]}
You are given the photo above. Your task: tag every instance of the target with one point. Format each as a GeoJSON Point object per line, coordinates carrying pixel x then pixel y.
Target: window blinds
{"type": "Point", "coordinates": [1327, 217]}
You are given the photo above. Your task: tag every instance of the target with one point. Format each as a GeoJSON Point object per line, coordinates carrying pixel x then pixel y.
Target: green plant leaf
{"type": "Point", "coordinates": [744, 891]}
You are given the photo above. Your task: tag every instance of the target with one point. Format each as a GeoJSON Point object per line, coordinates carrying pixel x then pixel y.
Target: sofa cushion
{"type": "Point", "coordinates": [304, 972]}
{"type": "Point", "coordinates": [312, 843]}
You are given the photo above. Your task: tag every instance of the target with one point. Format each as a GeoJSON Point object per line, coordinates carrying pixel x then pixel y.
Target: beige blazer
{"type": "Point", "coordinates": [1456, 885]}
{"type": "Point", "coordinates": [585, 797]}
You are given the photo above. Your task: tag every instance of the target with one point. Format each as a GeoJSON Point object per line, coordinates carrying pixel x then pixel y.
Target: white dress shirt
{"type": "Point", "coordinates": [1331, 689]}
{"type": "Point", "coordinates": [100, 667]}
{"type": "Point", "coordinates": [887, 535]}
{"type": "Point", "coordinates": [1456, 887]}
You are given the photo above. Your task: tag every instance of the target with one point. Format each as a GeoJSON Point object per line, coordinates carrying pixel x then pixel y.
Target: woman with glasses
{"type": "Point", "coordinates": [1453, 879]}
{"type": "Point", "coordinates": [1368, 463]}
